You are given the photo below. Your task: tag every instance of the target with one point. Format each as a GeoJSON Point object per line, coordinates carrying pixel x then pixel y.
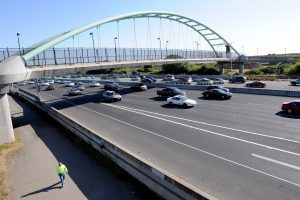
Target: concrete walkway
{"type": "Point", "coordinates": [32, 171]}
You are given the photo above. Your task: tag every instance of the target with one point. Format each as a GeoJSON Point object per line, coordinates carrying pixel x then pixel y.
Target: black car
{"type": "Point", "coordinates": [147, 80]}
{"type": "Point", "coordinates": [217, 94]}
{"type": "Point", "coordinates": [217, 87]}
{"type": "Point", "coordinates": [169, 92]}
{"type": "Point", "coordinates": [139, 87]}
{"type": "Point", "coordinates": [111, 86]}
{"type": "Point", "coordinates": [238, 79]}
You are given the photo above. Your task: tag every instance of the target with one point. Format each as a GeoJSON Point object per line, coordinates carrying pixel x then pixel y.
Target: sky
{"type": "Point", "coordinates": [251, 26]}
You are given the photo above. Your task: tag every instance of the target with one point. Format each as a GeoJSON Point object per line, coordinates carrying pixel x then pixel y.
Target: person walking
{"type": "Point", "coordinates": [61, 169]}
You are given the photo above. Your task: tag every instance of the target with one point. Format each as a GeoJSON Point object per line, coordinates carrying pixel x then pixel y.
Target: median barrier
{"type": "Point", "coordinates": [165, 184]}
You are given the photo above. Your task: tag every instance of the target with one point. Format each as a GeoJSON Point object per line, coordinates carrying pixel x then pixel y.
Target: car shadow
{"type": "Point", "coordinates": [157, 98]}
{"type": "Point", "coordinates": [211, 99]}
{"type": "Point", "coordinates": [286, 115]}
{"type": "Point", "coordinates": [168, 106]}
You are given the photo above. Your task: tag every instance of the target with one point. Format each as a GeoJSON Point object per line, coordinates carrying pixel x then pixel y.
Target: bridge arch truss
{"type": "Point", "coordinates": [209, 35]}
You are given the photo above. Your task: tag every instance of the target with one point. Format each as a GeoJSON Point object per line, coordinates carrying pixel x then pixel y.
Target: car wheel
{"type": "Point", "coordinates": [222, 97]}
{"type": "Point", "coordinates": [290, 111]}
{"type": "Point", "coordinates": [206, 95]}
{"type": "Point", "coordinates": [170, 103]}
{"type": "Point", "coordinates": [185, 105]}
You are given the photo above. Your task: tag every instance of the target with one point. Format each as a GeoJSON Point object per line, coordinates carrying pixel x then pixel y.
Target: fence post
{"type": "Point", "coordinates": [65, 56]}
{"type": "Point", "coordinates": [69, 55]}
{"type": "Point", "coordinates": [54, 54]}
{"type": "Point", "coordinates": [76, 57]}
{"type": "Point", "coordinates": [82, 61]}
{"type": "Point", "coordinates": [44, 57]}
{"type": "Point", "coordinates": [7, 52]}
{"type": "Point", "coordinates": [87, 55]}
{"type": "Point", "coordinates": [38, 57]}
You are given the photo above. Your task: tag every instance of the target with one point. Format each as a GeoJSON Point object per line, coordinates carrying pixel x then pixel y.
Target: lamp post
{"type": "Point", "coordinates": [115, 48]}
{"type": "Point", "coordinates": [167, 48]}
{"type": "Point", "coordinates": [18, 34]}
{"type": "Point", "coordinates": [160, 47]}
{"type": "Point", "coordinates": [257, 53]}
{"type": "Point", "coordinates": [197, 49]}
{"type": "Point", "coordinates": [91, 34]}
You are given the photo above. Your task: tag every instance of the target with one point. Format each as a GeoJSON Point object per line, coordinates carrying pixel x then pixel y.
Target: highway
{"type": "Point", "coordinates": [243, 148]}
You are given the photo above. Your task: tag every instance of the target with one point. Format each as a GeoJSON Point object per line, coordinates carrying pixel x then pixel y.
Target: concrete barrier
{"type": "Point", "coordinates": [165, 184]}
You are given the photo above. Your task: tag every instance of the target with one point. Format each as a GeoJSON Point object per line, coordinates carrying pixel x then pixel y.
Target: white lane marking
{"type": "Point", "coordinates": [292, 126]}
{"type": "Point", "coordinates": [276, 161]}
{"type": "Point", "coordinates": [204, 123]}
{"type": "Point", "coordinates": [181, 143]}
{"type": "Point", "coordinates": [204, 130]}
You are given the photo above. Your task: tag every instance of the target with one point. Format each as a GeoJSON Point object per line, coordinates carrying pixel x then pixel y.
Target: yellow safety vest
{"type": "Point", "coordinates": [61, 169]}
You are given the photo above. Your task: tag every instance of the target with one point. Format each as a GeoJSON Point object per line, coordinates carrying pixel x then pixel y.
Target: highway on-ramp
{"type": "Point", "coordinates": [243, 148]}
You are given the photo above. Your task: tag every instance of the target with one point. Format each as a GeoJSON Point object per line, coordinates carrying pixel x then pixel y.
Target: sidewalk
{"type": "Point", "coordinates": [32, 171]}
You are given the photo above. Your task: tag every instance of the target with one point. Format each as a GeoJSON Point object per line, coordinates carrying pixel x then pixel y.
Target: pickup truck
{"type": "Point", "coordinates": [169, 92]}
{"type": "Point", "coordinates": [295, 82]}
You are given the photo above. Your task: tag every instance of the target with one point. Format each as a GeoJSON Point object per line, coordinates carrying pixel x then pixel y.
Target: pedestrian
{"type": "Point", "coordinates": [61, 169]}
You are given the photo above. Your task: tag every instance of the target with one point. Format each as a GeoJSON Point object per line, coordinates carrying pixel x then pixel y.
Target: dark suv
{"type": "Point", "coordinates": [237, 79]}
{"type": "Point", "coordinates": [111, 86]}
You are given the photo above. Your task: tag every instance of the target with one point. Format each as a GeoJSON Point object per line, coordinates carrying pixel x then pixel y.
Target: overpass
{"type": "Point", "coordinates": [22, 65]}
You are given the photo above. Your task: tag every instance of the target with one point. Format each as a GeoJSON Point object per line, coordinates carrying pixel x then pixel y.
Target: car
{"type": "Point", "coordinates": [169, 92]}
{"type": "Point", "coordinates": [135, 79]}
{"type": "Point", "coordinates": [205, 81]}
{"type": "Point", "coordinates": [57, 81]}
{"type": "Point", "coordinates": [185, 81]}
{"type": "Point", "coordinates": [218, 81]}
{"type": "Point", "coordinates": [295, 82]}
{"type": "Point", "coordinates": [256, 84]}
{"type": "Point", "coordinates": [45, 84]}
{"type": "Point", "coordinates": [152, 78]}
{"type": "Point", "coordinates": [69, 84]}
{"type": "Point", "coordinates": [79, 87]}
{"type": "Point", "coordinates": [139, 87]}
{"type": "Point", "coordinates": [168, 77]}
{"type": "Point", "coordinates": [79, 83]}
{"type": "Point", "coordinates": [147, 80]}
{"type": "Point", "coordinates": [74, 91]}
{"type": "Point", "coordinates": [217, 94]}
{"type": "Point", "coordinates": [291, 107]}
{"type": "Point", "coordinates": [111, 86]}
{"type": "Point", "coordinates": [23, 83]}
{"type": "Point", "coordinates": [196, 79]}
{"type": "Point", "coordinates": [50, 87]}
{"type": "Point", "coordinates": [94, 84]}
{"type": "Point", "coordinates": [238, 79]}
{"type": "Point", "coordinates": [111, 96]}
{"type": "Point", "coordinates": [217, 87]}
{"type": "Point", "coordinates": [181, 101]}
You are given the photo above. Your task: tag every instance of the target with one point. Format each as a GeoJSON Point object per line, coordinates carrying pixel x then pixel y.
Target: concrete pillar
{"type": "Point", "coordinates": [241, 68]}
{"type": "Point", "coordinates": [6, 127]}
{"type": "Point", "coordinates": [221, 67]}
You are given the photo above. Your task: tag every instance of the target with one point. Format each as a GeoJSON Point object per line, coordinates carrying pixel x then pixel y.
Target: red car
{"type": "Point", "coordinates": [50, 87]}
{"type": "Point", "coordinates": [291, 107]}
{"type": "Point", "coordinates": [256, 84]}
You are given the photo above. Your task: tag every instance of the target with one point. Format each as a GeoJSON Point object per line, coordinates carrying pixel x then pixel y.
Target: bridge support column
{"type": "Point", "coordinates": [6, 127]}
{"type": "Point", "coordinates": [221, 67]}
{"type": "Point", "coordinates": [241, 68]}
{"type": "Point", "coordinates": [11, 70]}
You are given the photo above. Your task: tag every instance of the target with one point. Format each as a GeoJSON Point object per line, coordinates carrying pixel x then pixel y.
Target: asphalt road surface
{"type": "Point", "coordinates": [242, 148]}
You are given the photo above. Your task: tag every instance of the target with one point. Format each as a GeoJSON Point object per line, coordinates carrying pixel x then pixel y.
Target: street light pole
{"type": "Point", "coordinates": [18, 34]}
{"type": "Point", "coordinates": [257, 53]}
{"type": "Point", "coordinates": [160, 48]}
{"type": "Point", "coordinates": [93, 45]}
{"type": "Point", "coordinates": [115, 48]}
{"type": "Point", "coordinates": [167, 48]}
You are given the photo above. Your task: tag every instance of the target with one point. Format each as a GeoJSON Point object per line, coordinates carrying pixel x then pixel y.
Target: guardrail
{"type": "Point", "coordinates": [158, 180]}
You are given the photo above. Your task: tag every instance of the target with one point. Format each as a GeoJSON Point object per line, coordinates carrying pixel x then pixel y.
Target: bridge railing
{"type": "Point", "coordinates": [59, 56]}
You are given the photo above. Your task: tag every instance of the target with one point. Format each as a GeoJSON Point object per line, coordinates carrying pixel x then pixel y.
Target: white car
{"type": "Point", "coordinates": [45, 84]}
{"type": "Point", "coordinates": [111, 96]}
{"type": "Point", "coordinates": [181, 101]}
{"type": "Point", "coordinates": [136, 79]}
{"type": "Point", "coordinates": [69, 84]}
{"type": "Point", "coordinates": [205, 81]}
{"type": "Point", "coordinates": [74, 91]}
{"type": "Point", "coordinates": [94, 84]}
{"type": "Point", "coordinates": [218, 81]}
